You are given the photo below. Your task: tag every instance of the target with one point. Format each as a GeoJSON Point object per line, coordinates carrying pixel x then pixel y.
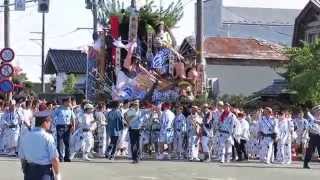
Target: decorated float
{"type": "Point", "coordinates": [134, 56]}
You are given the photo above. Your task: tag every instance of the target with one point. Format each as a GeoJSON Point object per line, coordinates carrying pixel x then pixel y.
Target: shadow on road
{"type": "Point", "coordinates": [261, 167]}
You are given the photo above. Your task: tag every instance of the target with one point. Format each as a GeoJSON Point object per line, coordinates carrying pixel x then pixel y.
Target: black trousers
{"type": "Point", "coordinates": [38, 172]}
{"type": "Point", "coordinates": [275, 146]}
{"type": "Point", "coordinates": [241, 149]}
{"type": "Point", "coordinates": [135, 142]}
{"type": "Point", "coordinates": [111, 150]}
{"type": "Point", "coordinates": [313, 143]}
{"type": "Point", "coordinates": [63, 134]}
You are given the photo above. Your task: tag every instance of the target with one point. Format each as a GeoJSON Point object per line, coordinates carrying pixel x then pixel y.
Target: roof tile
{"type": "Point", "coordinates": [67, 61]}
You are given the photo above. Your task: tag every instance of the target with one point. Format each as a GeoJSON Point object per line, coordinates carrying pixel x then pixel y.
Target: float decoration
{"type": "Point", "coordinates": [136, 57]}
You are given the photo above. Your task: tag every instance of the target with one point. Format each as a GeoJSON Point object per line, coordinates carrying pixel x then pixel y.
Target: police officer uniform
{"type": "Point", "coordinates": [38, 151]}
{"type": "Point", "coordinates": [314, 134]}
{"type": "Point", "coordinates": [63, 118]}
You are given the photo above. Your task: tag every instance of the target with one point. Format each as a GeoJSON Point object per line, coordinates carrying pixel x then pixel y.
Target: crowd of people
{"type": "Point", "coordinates": [141, 130]}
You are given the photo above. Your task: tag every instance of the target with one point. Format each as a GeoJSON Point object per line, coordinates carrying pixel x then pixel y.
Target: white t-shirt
{"type": "Point", "coordinates": [87, 120]}
{"type": "Point", "coordinates": [28, 116]}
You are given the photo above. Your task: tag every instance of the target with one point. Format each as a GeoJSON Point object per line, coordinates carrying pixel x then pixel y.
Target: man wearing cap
{"type": "Point", "coordinates": [12, 120]}
{"type": "Point", "coordinates": [166, 130]}
{"type": "Point", "coordinates": [194, 123]}
{"type": "Point", "coordinates": [314, 134]}
{"type": "Point", "coordinates": [129, 116]}
{"type": "Point", "coordinates": [87, 125]}
{"type": "Point", "coordinates": [38, 152]}
{"type": "Point", "coordinates": [227, 128]}
{"type": "Point", "coordinates": [64, 119]}
{"type": "Point", "coordinates": [135, 127]}
{"type": "Point", "coordinates": [268, 131]}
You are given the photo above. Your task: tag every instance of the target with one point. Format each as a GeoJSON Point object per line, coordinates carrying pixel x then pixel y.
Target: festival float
{"type": "Point", "coordinates": [134, 56]}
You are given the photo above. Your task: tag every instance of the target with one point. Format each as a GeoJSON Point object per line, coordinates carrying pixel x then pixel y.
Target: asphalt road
{"type": "Point", "coordinates": [169, 170]}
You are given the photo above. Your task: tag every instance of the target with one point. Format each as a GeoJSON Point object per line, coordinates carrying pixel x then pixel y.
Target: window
{"type": "Point", "coordinates": [311, 38]}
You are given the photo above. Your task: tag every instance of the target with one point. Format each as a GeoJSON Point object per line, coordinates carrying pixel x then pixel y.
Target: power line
{"type": "Point", "coordinates": [261, 25]}
{"type": "Point", "coordinates": [27, 7]}
{"type": "Point", "coordinates": [12, 4]}
{"type": "Point", "coordinates": [28, 55]}
{"type": "Point", "coordinates": [187, 3]}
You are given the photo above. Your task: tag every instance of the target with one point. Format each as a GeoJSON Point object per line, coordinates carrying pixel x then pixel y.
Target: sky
{"type": "Point", "coordinates": [66, 16]}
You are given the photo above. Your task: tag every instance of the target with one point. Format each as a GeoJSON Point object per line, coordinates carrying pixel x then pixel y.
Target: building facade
{"type": "Point", "coordinates": [61, 63]}
{"type": "Point", "coordinates": [267, 24]}
{"type": "Point", "coordinates": [239, 65]}
{"type": "Point", "coordinates": [307, 24]}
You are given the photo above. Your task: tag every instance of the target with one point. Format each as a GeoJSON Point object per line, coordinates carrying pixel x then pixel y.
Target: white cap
{"type": "Point", "coordinates": [220, 103]}
{"type": "Point", "coordinates": [88, 106]}
{"type": "Point", "coordinates": [43, 114]}
{"type": "Point", "coordinates": [316, 108]}
{"type": "Point", "coordinates": [13, 102]}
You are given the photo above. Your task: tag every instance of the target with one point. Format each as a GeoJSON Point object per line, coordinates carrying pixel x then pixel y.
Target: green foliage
{"type": "Point", "coordinates": [304, 72]}
{"type": "Point", "coordinates": [170, 15]}
{"type": "Point", "coordinates": [52, 83]}
{"type": "Point", "coordinates": [202, 99]}
{"type": "Point", "coordinates": [69, 84]}
{"type": "Point", "coordinates": [107, 8]}
{"type": "Point", "coordinates": [28, 84]}
{"type": "Point", "coordinates": [149, 14]}
{"type": "Point", "coordinates": [19, 78]}
{"type": "Point", "coordinates": [238, 101]}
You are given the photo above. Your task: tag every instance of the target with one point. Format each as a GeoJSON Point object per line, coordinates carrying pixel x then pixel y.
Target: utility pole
{"type": "Point", "coordinates": [43, 85]}
{"type": "Point", "coordinates": [133, 3]}
{"type": "Point", "coordinates": [160, 8]}
{"type": "Point", "coordinates": [6, 23]}
{"type": "Point", "coordinates": [95, 16]}
{"type": "Point", "coordinates": [199, 31]}
{"type": "Point", "coordinates": [199, 42]}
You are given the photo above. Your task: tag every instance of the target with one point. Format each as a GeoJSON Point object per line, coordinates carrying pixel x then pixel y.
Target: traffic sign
{"type": "Point", "coordinates": [20, 5]}
{"type": "Point", "coordinates": [6, 86]}
{"type": "Point", "coordinates": [6, 70]}
{"type": "Point", "coordinates": [7, 54]}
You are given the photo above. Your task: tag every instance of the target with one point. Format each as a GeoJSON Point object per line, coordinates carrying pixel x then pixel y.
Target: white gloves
{"type": "Point", "coordinates": [57, 177]}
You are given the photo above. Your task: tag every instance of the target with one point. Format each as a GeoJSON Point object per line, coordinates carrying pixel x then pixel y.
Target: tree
{"type": "Point", "coordinates": [52, 83]}
{"type": "Point", "coordinates": [69, 84]}
{"type": "Point", "coordinates": [235, 100]}
{"type": "Point", "coordinates": [150, 13]}
{"type": "Point", "coordinates": [19, 79]}
{"type": "Point", "coordinates": [304, 72]}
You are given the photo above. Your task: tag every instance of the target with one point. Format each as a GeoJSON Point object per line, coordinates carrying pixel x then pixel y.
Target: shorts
{"type": "Point", "coordinates": [167, 137]}
{"type": "Point", "coordinates": [155, 137]}
{"type": "Point", "coordinates": [145, 137]}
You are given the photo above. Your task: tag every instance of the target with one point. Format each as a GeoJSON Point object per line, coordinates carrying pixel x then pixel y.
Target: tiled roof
{"type": "Point", "coordinates": [67, 61]}
{"type": "Point", "coordinates": [278, 87]}
{"type": "Point", "coordinates": [240, 48]}
{"type": "Point", "coordinates": [249, 15]}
